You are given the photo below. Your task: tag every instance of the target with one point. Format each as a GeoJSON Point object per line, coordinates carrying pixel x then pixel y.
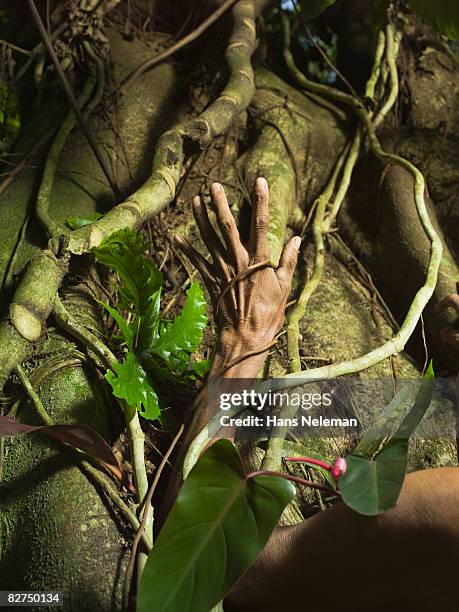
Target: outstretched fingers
{"type": "Point", "coordinates": [258, 242]}
{"type": "Point", "coordinates": [228, 227]}
{"type": "Point", "coordinates": [209, 235]}
{"type": "Point", "coordinates": [199, 261]}
{"type": "Point", "coordinates": [287, 263]}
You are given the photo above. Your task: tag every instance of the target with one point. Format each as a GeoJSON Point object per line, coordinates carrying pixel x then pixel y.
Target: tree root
{"type": "Point", "coordinates": [397, 343]}
{"type": "Point", "coordinates": [156, 193]}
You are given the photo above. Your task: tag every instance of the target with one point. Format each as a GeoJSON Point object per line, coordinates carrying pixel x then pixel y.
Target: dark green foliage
{"type": "Point", "coordinates": [157, 349]}
{"type": "Point", "coordinates": [183, 335]}
{"type": "Point", "coordinates": [371, 486]}
{"type": "Point", "coordinates": [219, 523]}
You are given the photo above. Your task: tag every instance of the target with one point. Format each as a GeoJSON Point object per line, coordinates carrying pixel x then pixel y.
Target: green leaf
{"type": "Point", "coordinates": [219, 523]}
{"type": "Point", "coordinates": [147, 324]}
{"type": "Point", "coordinates": [129, 381]}
{"type": "Point", "coordinates": [74, 223]}
{"type": "Point", "coordinates": [313, 8]}
{"type": "Point", "coordinates": [371, 486]}
{"type": "Point", "coordinates": [128, 333]}
{"type": "Point", "coordinates": [183, 336]}
{"type": "Point", "coordinates": [200, 367]}
{"type": "Point", "coordinates": [417, 412]}
{"type": "Point", "coordinates": [123, 253]}
{"type": "Point", "coordinates": [443, 15]}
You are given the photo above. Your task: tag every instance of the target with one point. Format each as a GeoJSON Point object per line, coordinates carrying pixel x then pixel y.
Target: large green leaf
{"type": "Point", "coordinates": [371, 486]}
{"type": "Point", "coordinates": [313, 8]}
{"type": "Point", "coordinates": [129, 381]}
{"type": "Point", "coordinates": [442, 14]}
{"type": "Point", "coordinates": [219, 523]}
{"type": "Point", "coordinates": [180, 338]}
{"type": "Point", "coordinates": [123, 252]}
{"type": "Point", "coordinates": [417, 412]}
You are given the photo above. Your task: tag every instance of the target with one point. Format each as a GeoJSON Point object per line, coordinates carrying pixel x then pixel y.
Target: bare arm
{"type": "Point", "coordinates": [406, 559]}
{"type": "Point", "coordinates": [248, 298]}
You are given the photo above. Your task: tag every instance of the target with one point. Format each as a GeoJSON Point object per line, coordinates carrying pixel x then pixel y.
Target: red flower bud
{"type": "Point", "coordinates": [339, 468]}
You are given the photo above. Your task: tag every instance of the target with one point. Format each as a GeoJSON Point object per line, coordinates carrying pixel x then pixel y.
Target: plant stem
{"type": "Point", "coordinates": [41, 410]}
{"type": "Point", "coordinates": [134, 429]}
{"type": "Point", "coordinates": [296, 480]}
{"type": "Point", "coordinates": [51, 226]}
{"type": "Point", "coordinates": [83, 464]}
{"type": "Point", "coordinates": [147, 506]}
{"type": "Point", "coordinates": [81, 333]}
{"type": "Point", "coordinates": [397, 343]}
{"type": "Point", "coordinates": [318, 462]}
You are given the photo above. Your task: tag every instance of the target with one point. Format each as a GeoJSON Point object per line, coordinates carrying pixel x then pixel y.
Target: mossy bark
{"type": "Point", "coordinates": [57, 531]}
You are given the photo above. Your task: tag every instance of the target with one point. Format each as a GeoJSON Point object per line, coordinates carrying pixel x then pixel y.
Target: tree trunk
{"type": "Point", "coordinates": [192, 119]}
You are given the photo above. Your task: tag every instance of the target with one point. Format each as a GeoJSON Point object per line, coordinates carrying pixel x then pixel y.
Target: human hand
{"type": "Point", "coordinates": [248, 295]}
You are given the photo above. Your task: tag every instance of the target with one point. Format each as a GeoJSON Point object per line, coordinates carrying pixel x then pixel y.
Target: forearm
{"type": "Point", "coordinates": [306, 563]}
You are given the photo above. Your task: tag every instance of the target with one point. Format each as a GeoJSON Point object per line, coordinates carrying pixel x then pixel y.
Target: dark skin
{"type": "Point", "coordinates": [251, 312]}
{"type": "Point", "coordinates": [248, 313]}
{"type": "Point", "coordinates": [337, 560]}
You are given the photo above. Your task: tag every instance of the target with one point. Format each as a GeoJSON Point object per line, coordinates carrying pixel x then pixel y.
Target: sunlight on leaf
{"type": "Point", "coordinates": [184, 335]}
{"type": "Point", "coordinates": [123, 252]}
{"type": "Point", "coordinates": [130, 382]}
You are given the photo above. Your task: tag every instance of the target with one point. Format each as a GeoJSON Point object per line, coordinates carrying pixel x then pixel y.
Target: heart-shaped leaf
{"type": "Point", "coordinates": [219, 523]}
{"type": "Point", "coordinates": [371, 486]}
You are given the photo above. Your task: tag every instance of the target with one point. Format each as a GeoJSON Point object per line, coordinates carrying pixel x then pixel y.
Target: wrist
{"type": "Point", "coordinates": [232, 346]}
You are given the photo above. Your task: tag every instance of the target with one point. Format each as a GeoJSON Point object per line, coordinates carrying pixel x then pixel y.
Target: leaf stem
{"type": "Point", "coordinates": [147, 506]}
{"type": "Point", "coordinates": [318, 462]}
{"type": "Point", "coordinates": [295, 479]}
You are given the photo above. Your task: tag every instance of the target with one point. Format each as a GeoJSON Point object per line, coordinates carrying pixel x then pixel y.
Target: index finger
{"type": "Point", "coordinates": [258, 242]}
{"type": "Point", "coordinates": [228, 227]}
